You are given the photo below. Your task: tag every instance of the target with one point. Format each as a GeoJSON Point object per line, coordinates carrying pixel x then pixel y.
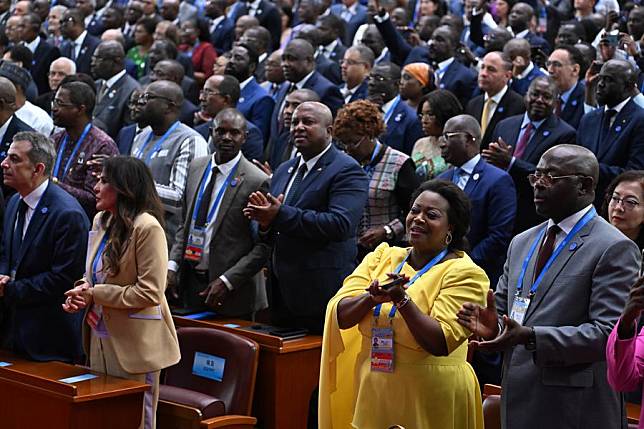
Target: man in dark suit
{"type": "Point", "coordinates": [165, 49]}
{"type": "Point", "coordinates": [564, 66]}
{"type": "Point", "coordinates": [93, 22]}
{"type": "Point", "coordinates": [326, 67]}
{"type": "Point", "coordinates": [79, 45]}
{"type": "Point", "coordinates": [490, 190]}
{"type": "Point", "coordinates": [519, 141]}
{"type": "Point", "coordinates": [353, 14]}
{"type": "Point", "coordinates": [403, 125]}
{"type": "Point", "coordinates": [355, 67]}
{"type": "Point", "coordinates": [126, 135]}
{"type": "Point", "coordinates": [498, 101]}
{"type": "Point", "coordinates": [330, 29]}
{"type": "Point", "coordinates": [225, 271]}
{"type": "Point", "coordinates": [520, 19]}
{"type": "Point", "coordinates": [260, 39]}
{"type": "Point", "coordinates": [173, 71]}
{"type": "Point", "coordinates": [114, 87]}
{"type": "Point", "coordinates": [222, 28]}
{"type": "Point", "coordinates": [5, 13]}
{"type": "Point", "coordinates": [43, 253]}
{"type": "Point", "coordinates": [266, 13]}
{"type": "Point", "coordinates": [614, 133]}
{"type": "Point", "coordinates": [254, 102]}
{"type": "Point", "coordinates": [524, 71]}
{"type": "Point", "coordinates": [311, 215]}
{"type": "Point", "coordinates": [44, 53]}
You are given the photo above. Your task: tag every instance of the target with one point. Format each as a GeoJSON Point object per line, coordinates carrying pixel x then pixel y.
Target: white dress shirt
{"type": "Point", "coordinates": [32, 200]}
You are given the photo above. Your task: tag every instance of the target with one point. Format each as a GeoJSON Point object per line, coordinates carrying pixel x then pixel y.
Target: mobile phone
{"type": "Point", "coordinates": [596, 67]}
{"type": "Point", "coordinates": [613, 38]}
{"type": "Point", "coordinates": [394, 282]}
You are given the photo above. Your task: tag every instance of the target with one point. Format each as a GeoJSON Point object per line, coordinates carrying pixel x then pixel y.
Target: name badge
{"type": "Point", "coordinates": [519, 309]}
{"type": "Point", "coordinates": [382, 349]}
{"type": "Point", "coordinates": [208, 366]}
{"type": "Point", "coordinates": [195, 245]}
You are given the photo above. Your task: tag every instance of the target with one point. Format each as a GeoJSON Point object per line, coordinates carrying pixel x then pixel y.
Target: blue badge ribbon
{"type": "Point", "coordinates": [369, 168]}
{"type": "Point", "coordinates": [391, 109]}
{"type": "Point", "coordinates": [61, 151]}
{"type": "Point", "coordinates": [220, 194]}
{"type": "Point", "coordinates": [578, 226]}
{"type": "Point", "coordinates": [419, 274]}
{"type": "Point", "coordinates": [157, 146]}
{"type": "Point", "coordinates": [97, 258]}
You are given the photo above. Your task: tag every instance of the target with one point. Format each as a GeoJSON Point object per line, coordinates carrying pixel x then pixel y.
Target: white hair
{"type": "Point", "coordinates": [69, 63]}
{"type": "Point", "coordinates": [57, 8]}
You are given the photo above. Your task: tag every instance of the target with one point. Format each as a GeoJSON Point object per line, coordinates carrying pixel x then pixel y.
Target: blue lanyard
{"type": "Point", "coordinates": [157, 146]}
{"type": "Point", "coordinates": [391, 109]}
{"type": "Point", "coordinates": [578, 226]}
{"type": "Point", "coordinates": [220, 194]}
{"type": "Point", "coordinates": [61, 151]}
{"type": "Point", "coordinates": [369, 168]}
{"type": "Point", "coordinates": [427, 267]}
{"type": "Point", "coordinates": [97, 258]}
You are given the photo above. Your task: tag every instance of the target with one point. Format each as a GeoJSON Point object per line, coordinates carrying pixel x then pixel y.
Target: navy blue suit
{"type": "Point", "coordinates": [494, 207]}
{"type": "Point", "coordinates": [51, 258]}
{"type": "Point", "coordinates": [574, 108]}
{"type": "Point", "coordinates": [537, 42]}
{"type": "Point", "coordinates": [257, 106]}
{"type": "Point", "coordinates": [83, 62]}
{"type": "Point", "coordinates": [553, 131]}
{"type": "Point", "coordinates": [521, 85]}
{"type": "Point", "coordinates": [44, 55]}
{"type": "Point", "coordinates": [354, 23]}
{"type": "Point", "coordinates": [623, 148]}
{"type": "Point", "coordinates": [403, 129]}
{"type": "Point", "coordinates": [337, 54]}
{"type": "Point", "coordinates": [125, 138]}
{"type": "Point", "coordinates": [276, 150]}
{"type": "Point", "coordinates": [95, 26]}
{"type": "Point", "coordinates": [510, 104]}
{"type": "Point", "coordinates": [223, 35]}
{"type": "Point", "coordinates": [314, 244]}
{"type": "Point", "coordinates": [14, 127]}
{"type": "Point", "coordinates": [460, 80]}
{"type": "Point", "coordinates": [267, 15]}
{"type": "Point", "coordinates": [253, 147]}
{"type": "Point", "coordinates": [328, 68]}
{"type": "Point", "coordinates": [399, 48]}
{"type": "Point", "coordinates": [361, 92]}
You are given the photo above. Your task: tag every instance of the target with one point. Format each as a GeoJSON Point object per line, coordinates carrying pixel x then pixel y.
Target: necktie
{"type": "Point", "coordinates": [294, 191]}
{"type": "Point", "coordinates": [559, 107]}
{"type": "Point", "coordinates": [523, 141]}
{"type": "Point", "coordinates": [16, 241]}
{"type": "Point", "coordinates": [102, 92]}
{"type": "Point", "coordinates": [546, 249]}
{"type": "Point", "coordinates": [202, 215]}
{"type": "Point", "coordinates": [485, 117]}
{"type": "Point", "coordinates": [606, 117]}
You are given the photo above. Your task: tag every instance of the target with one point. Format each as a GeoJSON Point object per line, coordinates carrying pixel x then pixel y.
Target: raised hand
{"type": "Point", "coordinates": [482, 321]}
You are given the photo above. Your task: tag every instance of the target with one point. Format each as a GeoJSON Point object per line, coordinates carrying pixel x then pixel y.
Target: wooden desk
{"type": "Point", "coordinates": [32, 397]}
{"type": "Point", "coordinates": [287, 373]}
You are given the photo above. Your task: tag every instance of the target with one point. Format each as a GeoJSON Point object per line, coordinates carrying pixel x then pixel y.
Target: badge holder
{"type": "Point", "coordinates": [519, 308]}
{"type": "Point", "coordinates": [382, 347]}
{"type": "Point", "coordinates": [195, 245]}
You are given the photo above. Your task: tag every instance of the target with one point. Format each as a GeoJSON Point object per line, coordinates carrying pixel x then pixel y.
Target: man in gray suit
{"type": "Point", "coordinates": [216, 251]}
{"type": "Point", "coordinates": [564, 285]}
{"type": "Point", "coordinates": [114, 87]}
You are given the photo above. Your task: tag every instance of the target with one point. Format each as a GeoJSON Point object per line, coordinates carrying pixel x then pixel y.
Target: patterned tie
{"type": "Point", "coordinates": [485, 117]}
{"type": "Point", "coordinates": [523, 142]}
{"type": "Point", "coordinates": [293, 193]}
{"type": "Point", "coordinates": [546, 249]}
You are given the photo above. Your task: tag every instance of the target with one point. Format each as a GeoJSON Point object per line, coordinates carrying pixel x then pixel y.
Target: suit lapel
{"type": "Point", "coordinates": [91, 253]}
{"type": "Point", "coordinates": [615, 130]}
{"type": "Point", "coordinates": [229, 195]}
{"type": "Point", "coordinates": [281, 182]}
{"type": "Point", "coordinates": [40, 215]}
{"type": "Point", "coordinates": [315, 172]}
{"type": "Point", "coordinates": [105, 101]}
{"type": "Point", "coordinates": [541, 134]}
{"type": "Point", "coordinates": [476, 177]}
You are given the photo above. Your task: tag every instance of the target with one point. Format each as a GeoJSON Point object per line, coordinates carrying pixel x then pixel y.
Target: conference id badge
{"type": "Point", "coordinates": [382, 349]}
{"type": "Point", "coordinates": [519, 309]}
{"type": "Point", "coordinates": [195, 244]}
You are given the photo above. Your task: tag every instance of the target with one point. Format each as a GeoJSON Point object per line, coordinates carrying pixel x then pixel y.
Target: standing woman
{"type": "Point", "coordinates": [129, 331]}
{"type": "Point", "coordinates": [143, 39]}
{"type": "Point", "coordinates": [195, 41]}
{"type": "Point", "coordinates": [416, 80]}
{"type": "Point", "coordinates": [624, 205]}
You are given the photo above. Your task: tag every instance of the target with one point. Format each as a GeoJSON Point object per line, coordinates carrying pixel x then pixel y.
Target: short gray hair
{"type": "Point", "coordinates": [42, 149]}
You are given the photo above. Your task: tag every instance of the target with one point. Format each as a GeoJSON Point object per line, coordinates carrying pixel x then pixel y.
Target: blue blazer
{"type": "Point", "coordinates": [96, 26]}
{"type": "Point", "coordinates": [14, 127]}
{"type": "Point", "coordinates": [50, 260]}
{"type": "Point", "coordinates": [403, 129]}
{"type": "Point", "coordinates": [494, 207]}
{"type": "Point", "coordinates": [253, 147]}
{"type": "Point", "coordinates": [83, 62]}
{"type": "Point", "coordinates": [521, 85]}
{"type": "Point", "coordinates": [223, 35]}
{"type": "Point", "coordinates": [538, 42]}
{"type": "Point", "coordinates": [461, 81]}
{"type": "Point", "coordinates": [361, 92]}
{"type": "Point", "coordinates": [257, 106]}
{"type": "Point", "coordinates": [622, 150]}
{"type": "Point", "coordinates": [354, 23]}
{"type": "Point", "coordinates": [125, 138]}
{"type": "Point", "coordinates": [329, 69]}
{"type": "Point", "coordinates": [187, 112]}
{"type": "Point", "coordinates": [574, 108]}
{"type": "Point", "coordinates": [267, 15]}
{"type": "Point", "coordinates": [314, 240]}
{"type": "Point", "coordinates": [553, 131]}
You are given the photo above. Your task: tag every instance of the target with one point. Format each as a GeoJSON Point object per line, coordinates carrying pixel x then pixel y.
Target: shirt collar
{"type": "Point", "coordinates": [526, 71]}
{"type": "Point", "coordinates": [301, 83]}
{"type": "Point", "coordinates": [262, 57]}
{"type": "Point", "coordinates": [566, 95]}
{"type": "Point", "coordinates": [331, 46]}
{"type": "Point", "coordinates": [254, 4]}
{"type": "Point", "coordinates": [569, 223]}
{"type": "Point", "coordinates": [618, 107]}
{"type": "Point", "coordinates": [33, 45]}
{"type": "Point", "coordinates": [243, 84]}
{"type": "Point", "coordinates": [385, 107]}
{"type": "Point", "coordinates": [382, 55]}
{"type": "Point", "coordinates": [80, 39]}
{"type": "Point", "coordinates": [111, 81]}
{"type": "Point", "coordinates": [88, 19]}
{"type": "Point", "coordinates": [522, 34]}
{"type": "Point", "coordinates": [352, 9]}
{"type": "Point", "coordinates": [468, 167]}
{"type": "Point", "coordinates": [226, 167]}
{"type": "Point", "coordinates": [33, 198]}
{"type": "Point", "coordinates": [526, 120]}
{"type": "Point", "coordinates": [311, 162]}
{"type": "Point", "coordinates": [215, 22]}
{"type": "Point", "coordinates": [444, 64]}
{"type": "Point", "coordinates": [3, 128]}
{"type": "Point", "coordinates": [498, 96]}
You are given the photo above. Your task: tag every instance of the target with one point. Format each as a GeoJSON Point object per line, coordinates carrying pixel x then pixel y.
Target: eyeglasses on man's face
{"type": "Point", "coordinates": [145, 97]}
{"type": "Point", "coordinates": [548, 179]}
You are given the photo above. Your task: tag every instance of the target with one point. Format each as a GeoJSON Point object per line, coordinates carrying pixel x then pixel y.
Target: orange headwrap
{"type": "Point", "coordinates": [420, 71]}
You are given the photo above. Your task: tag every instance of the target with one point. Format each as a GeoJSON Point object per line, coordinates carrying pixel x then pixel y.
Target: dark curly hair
{"type": "Point", "coordinates": [362, 118]}
{"type": "Point", "coordinates": [458, 213]}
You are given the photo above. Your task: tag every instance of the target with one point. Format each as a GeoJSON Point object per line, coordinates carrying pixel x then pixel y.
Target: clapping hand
{"type": "Point", "coordinates": [512, 334]}
{"type": "Point", "coordinates": [482, 321]}
{"type": "Point", "coordinates": [263, 208]}
{"type": "Point", "coordinates": [394, 293]}
{"type": "Point", "coordinates": [499, 154]}
{"type": "Point", "coordinates": [78, 298]}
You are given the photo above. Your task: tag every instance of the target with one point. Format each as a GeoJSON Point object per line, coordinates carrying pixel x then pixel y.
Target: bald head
{"type": "Point", "coordinates": [321, 111]}
{"type": "Point", "coordinates": [577, 159]}
{"type": "Point", "coordinates": [168, 70]}
{"type": "Point", "coordinates": [233, 115]}
{"type": "Point", "coordinates": [113, 34]}
{"type": "Point", "coordinates": [517, 48]}
{"type": "Point", "coordinates": [466, 124]}
{"type": "Point", "coordinates": [168, 89]}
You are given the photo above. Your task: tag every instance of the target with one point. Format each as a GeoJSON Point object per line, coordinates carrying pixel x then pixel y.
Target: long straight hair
{"type": "Point", "coordinates": [135, 194]}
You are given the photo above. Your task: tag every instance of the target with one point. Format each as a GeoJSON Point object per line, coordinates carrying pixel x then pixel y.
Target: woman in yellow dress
{"type": "Point", "coordinates": [397, 356]}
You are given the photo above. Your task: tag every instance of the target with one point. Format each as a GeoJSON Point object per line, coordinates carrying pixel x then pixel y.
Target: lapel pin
{"type": "Point", "coordinates": [573, 102]}
{"type": "Point", "coordinates": [546, 133]}
{"type": "Point", "coordinates": [241, 100]}
{"type": "Point", "coordinates": [398, 117]}
{"type": "Point", "coordinates": [572, 246]}
{"type": "Point", "coordinates": [501, 109]}
{"type": "Point", "coordinates": [618, 128]}
{"type": "Point", "coordinates": [320, 169]}
{"type": "Point", "coordinates": [234, 182]}
{"type": "Point", "coordinates": [476, 176]}
{"type": "Point", "coordinates": [290, 170]}
{"type": "Point", "coordinates": [442, 86]}
{"type": "Point", "coordinates": [44, 210]}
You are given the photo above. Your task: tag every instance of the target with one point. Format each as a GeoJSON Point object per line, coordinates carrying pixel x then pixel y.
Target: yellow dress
{"type": "Point", "coordinates": [424, 391]}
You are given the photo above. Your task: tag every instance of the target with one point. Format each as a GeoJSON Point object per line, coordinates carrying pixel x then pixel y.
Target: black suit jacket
{"type": "Point", "coordinates": [329, 69]}
{"type": "Point", "coordinates": [83, 62]}
{"type": "Point", "coordinates": [44, 55]}
{"type": "Point", "coordinates": [511, 104]}
{"type": "Point", "coordinates": [268, 17]}
{"type": "Point", "coordinates": [14, 127]}
{"type": "Point", "coordinates": [112, 110]}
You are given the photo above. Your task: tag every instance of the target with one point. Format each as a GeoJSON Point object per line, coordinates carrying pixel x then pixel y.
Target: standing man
{"type": "Point", "coordinates": [555, 316]}
{"type": "Point", "coordinates": [43, 253]}
{"type": "Point", "coordinates": [266, 14]}
{"type": "Point", "coordinates": [355, 68]}
{"type": "Point", "coordinates": [524, 71]}
{"type": "Point", "coordinates": [564, 65]}
{"type": "Point", "coordinates": [114, 87]}
{"type": "Point", "coordinates": [78, 143]}
{"type": "Point", "coordinates": [173, 71]}
{"type": "Point", "coordinates": [311, 215]}
{"type": "Point", "coordinates": [43, 52]}
{"type": "Point", "coordinates": [222, 28]}
{"type": "Point", "coordinates": [353, 14]}
{"type": "Point", "coordinates": [216, 253]}
{"type": "Point", "coordinates": [79, 45]}
{"type": "Point", "coordinates": [167, 146]}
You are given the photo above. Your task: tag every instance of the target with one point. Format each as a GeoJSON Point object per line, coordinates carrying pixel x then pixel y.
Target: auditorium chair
{"type": "Point", "coordinates": [187, 400]}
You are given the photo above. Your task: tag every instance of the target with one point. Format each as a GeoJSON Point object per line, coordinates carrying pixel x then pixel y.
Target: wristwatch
{"type": "Point", "coordinates": [389, 233]}
{"type": "Point", "coordinates": [531, 345]}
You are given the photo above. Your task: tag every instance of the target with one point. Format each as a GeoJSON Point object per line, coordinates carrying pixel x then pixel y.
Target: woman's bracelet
{"type": "Point", "coordinates": [403, 302]}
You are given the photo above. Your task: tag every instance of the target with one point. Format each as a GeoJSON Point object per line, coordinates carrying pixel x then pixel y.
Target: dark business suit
{"type": "Point", "coordinates": [95, 26]}
{"type": "Point", "coordinates": [494, 207]}
{"type": "Point", "coordinates": [521, 86]}
{"type": "Point", "coordinates": [125, 138]}
{"type": "Point", "coordinates": [510, 104]}
{"type": "Point", "coordinates": [623, 149]}
{"type": "Point", "coordinates": [84, 59]}
{"type": "Point", "coordinates": [354, 23]}
{"type": "Point", "coordinates": [50, 259]}
{"type": "Point", "coordinates": [44, 101]}
{"type": "Point", "coordinates": [552, 132]}
{"type": "Point", "coordinates": [399, 48]}
{"type": "Point", "coordinates": [44, 55]}
{"type": "Point", "coordinates": [187, 112]}
{"type": "Point", "coordinates": [112, 110]}
{"type": "Point", "coordinates": [328, 68]}
{"type": "Point", "coordinates": [314, 245]}
{"type": "Point", "coordinates": [234, 250]}
{"type": "Point", "coordinates": [268, 17]}
{"type": "Point", "coordinates": [460, 80]}
{"type": "Point", "coordinates": [403, 128]}
{"type": "Point", "coordinates": [257, 106]}
{"type": "Point", "coordinates": [222, 36]}
{"type": "Point", "coordinates": [14, 127]}
{"type": "Point", "coordinates": [537, 42]}
{"type": "Point", "coordinates": [574, 108]}
{"type": "Point", "coordinates": [279, 149]}
{"type": "Point", "coordinates": [337, 54]}
{"type": "Point", "coordinates": [253, 147]}
{"type": "Point", "coordinates": [361, 92]}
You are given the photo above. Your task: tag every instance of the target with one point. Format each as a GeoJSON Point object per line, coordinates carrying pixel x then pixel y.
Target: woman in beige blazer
{"type": "Point", "coordinates": [128, 329]}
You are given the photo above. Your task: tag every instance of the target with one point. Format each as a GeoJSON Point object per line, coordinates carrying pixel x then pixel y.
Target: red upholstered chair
{"type": "Point", "coordinates": [187, 400]}
{"type": "Point", "coordinates": [492, 406]}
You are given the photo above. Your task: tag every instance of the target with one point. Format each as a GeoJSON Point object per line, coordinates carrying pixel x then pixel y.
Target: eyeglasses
{"type": "Point", "coordinates": [57, 103]}
{"type": "Point", "coordinates": [378, 78]}
{"type": "Point", "coordinates": [144, 98]}
{"type": "Point", "coordinates": [555, 64]}
{"type": "Point", "coordinates": [345, 145]}
{"type": "Point", "coordinates": [629, 204]}
{"type": "Point", "coordinates": [448, 136]}
{"type": "Point", "coordinates": [208, 92]}
{"type": "Point", "coordinates": [547, 179]}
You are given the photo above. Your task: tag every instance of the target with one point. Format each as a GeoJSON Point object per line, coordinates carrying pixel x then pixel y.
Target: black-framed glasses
{"type": "Point", "coordinates": [57, 103]}
{"type": "Point", "coordinates": [548, 179]}
{"type": "Point", "coordinates": [144, 98]}
{"type": "Point", "coordinates": [448, 136]}
{"type": "Point", "coordinates": [627, 203]}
